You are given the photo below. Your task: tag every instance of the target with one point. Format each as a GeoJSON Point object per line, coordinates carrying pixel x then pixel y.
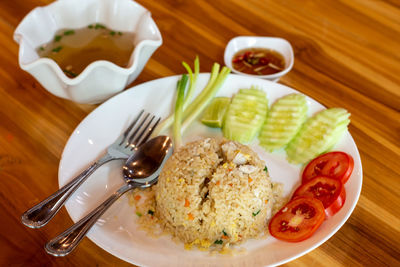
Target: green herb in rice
{"type": "Point", "coordinates": [256, 213]}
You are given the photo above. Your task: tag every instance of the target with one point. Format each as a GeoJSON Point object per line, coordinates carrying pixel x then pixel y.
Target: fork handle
{"type": "Point", "coordinates": [40, 214]}
{"type": "Point", "coordinates": [68, 240]}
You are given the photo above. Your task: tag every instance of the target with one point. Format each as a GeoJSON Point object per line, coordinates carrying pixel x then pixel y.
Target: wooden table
{"type": "Point", "coordinates": [346, 54]}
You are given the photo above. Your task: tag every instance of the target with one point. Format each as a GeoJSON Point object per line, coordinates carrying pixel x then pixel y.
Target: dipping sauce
{"type": "Point", "coordinates": [258, 61]}
{"type": "Point", "coordinates": [73, 50]}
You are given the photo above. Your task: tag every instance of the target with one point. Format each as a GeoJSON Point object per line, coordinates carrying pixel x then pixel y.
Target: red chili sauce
{"type": "Point", "coordinates": [258, 61]}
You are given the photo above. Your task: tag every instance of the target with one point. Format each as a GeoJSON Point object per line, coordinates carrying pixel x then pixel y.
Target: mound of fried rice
{"type": "Point", "coordinates": [214, 193]}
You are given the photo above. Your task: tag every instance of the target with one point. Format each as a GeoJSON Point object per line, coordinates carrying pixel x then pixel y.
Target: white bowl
{"type": "Point", "coordinates": [101, 79]}
{"type": "Point", "coordinates": [278, 44]}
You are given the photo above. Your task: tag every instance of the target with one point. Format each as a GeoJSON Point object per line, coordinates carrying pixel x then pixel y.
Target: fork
{"type": "Point", "coordinates": [40, 214]}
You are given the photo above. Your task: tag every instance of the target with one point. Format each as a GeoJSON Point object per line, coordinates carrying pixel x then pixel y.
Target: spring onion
{"type": "Point", "coordinates": [193, 109]}
{"type": "Point", "coordinates": [57, 38]}
{"type": "Point", "coordinates": [99, 26]}
{"type": "Point", "coordinates": [57, 49]}
{"type": "Point", "coordinates": [179, 110]}
{"type": "Point", "coordinates": [192, 79]}
{"type": "Point", "coordinates": [266, 169]}
{"type": "Point", "coordinates": [202, 101]}
{"type": "Point", "coordinates": [69, 32]}
{"type": "Point", "coordinates": [256, 213]}
{"type": "Point", "coordinates": [166, 123]}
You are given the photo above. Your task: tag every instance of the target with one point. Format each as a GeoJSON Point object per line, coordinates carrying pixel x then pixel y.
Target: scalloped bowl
{"type": "Point", "coordinates": [101, 79]}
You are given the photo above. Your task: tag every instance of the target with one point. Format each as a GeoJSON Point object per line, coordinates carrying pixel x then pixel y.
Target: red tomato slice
{"type": "Point", "coordinates": [337, 164]}
{"type": "Point", "coordinates": [329, 191]}
{"type": "Point", "coordinates": [297, 220]}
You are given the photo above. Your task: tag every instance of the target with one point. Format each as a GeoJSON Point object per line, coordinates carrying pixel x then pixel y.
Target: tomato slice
{"type": "Point", "coordinates": [337, 164]}
{"type": "Point", "coordinates": [297, 220]}
{"type": "Point", "coordinates": [329, 191]}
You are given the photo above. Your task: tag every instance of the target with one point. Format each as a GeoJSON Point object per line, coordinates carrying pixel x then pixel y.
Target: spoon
{"type": "Point", "coordinates": [141, 170]}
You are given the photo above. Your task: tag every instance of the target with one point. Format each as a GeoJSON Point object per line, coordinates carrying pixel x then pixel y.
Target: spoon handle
{"type": "Point", "coordinates": [40, 214]}
{"type": "Point", "coordinates": [68, 240]}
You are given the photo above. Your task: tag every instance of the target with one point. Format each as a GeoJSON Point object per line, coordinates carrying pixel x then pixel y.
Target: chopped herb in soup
{"type": "Point", "coordinates": [258, 61]}
{"type": "Point", "coordinates": [74, 49]}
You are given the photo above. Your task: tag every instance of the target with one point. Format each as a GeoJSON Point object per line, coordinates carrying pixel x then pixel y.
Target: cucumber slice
{"type": "Point", "coordinates": [245, 115]}
{"type": "Point", "coordinates": [215, 112]}
{"type": "Point", "coordinates": [252, 91]}
{"type": "Point", "coordinates": [317, 135]}
{"type": "Point", "coordinates": [283, 121]}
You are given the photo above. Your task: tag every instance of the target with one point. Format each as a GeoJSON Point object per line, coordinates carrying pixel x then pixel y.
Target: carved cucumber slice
{"type": "Point", "coordinates": [317, 135]}
{"type": "Point", "coordinates": [283, 121]}
{"type": "Point", "coordinates": [245, 115]}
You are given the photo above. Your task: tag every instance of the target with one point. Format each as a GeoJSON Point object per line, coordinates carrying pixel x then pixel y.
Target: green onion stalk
{"type": "Point", "coordinates": [191, 110]}
{"type": "Point", "coordinates": [192, 79]}
{"type": "Point", "coordinates": [166, 123]}
{"type": "Point", "coordinates": [201, 102]}
{"type": "Point", "coordinates": [178, 111]}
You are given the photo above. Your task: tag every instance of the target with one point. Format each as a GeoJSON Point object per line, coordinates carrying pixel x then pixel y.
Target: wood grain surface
{"type": "Point", "coordinates": [346, 54]}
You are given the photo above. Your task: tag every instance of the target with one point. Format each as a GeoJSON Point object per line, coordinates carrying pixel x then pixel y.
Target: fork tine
{"type": "Point", "coordinates": [134, 139]}
{"type": "Point", "coordinates": [136, 130]}
{"type": "Point", "coordinates": [150, 130]}
{"type": "Point", "coordinates": [126, 133]}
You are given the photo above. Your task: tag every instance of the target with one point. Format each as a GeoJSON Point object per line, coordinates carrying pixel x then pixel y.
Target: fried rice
{"type": "Point", "coordinates": [212, 193]}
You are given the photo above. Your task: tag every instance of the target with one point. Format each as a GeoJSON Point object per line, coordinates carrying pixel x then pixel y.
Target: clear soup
{"type": "Point", "coordinates": [74, 49]}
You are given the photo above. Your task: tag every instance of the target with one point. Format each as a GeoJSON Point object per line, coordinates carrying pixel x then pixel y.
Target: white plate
{"type": "Point", "coordinates": [117, 231]}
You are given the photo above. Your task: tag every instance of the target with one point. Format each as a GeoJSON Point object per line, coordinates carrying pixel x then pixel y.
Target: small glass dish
{"type": "Point", "coordinates": [278, 44]}
{"type": "Point", "coordinates": [101, 79]}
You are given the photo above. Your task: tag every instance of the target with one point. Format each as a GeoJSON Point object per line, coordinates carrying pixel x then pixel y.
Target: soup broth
{"type": "Point", "coordinates": [258, 61]}
{"type": "Point", "coordinates": [74, 50]}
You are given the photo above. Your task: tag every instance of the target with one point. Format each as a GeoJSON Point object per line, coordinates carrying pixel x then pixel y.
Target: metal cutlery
{"type": "Point", "coordinates": [136, 134]}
